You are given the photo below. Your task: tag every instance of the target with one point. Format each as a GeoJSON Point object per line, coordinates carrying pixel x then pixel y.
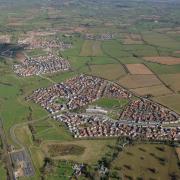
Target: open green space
{"type": "Point", "coordinates": [145, 161]}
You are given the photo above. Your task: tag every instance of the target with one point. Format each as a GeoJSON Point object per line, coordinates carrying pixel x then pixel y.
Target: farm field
{"type": "Point", "coordinates": [91, 48]}
{"type": "Point", "coordinates": [139, 81]}
{"type": "Point", "coordinates": [132, 39]}
{"type": "Point", "coordinates": [138, 69]}
{"type": "Point", "coordinates": [160, 40]}
{"type": "Point", "coordinates": [157, 90]}
{"type": "Point", "coordinates": [163, 60]}
{"type": "Point", "coordinates": [94, 150]}
{"type": "Point", "coordinates": [108, 71]}
{"type": "Point", "coordinates": [172, 80]}
{"type": "Point", "coordinates": [172, 101]}
{"type": "Point", "coordinates": [147, 161]}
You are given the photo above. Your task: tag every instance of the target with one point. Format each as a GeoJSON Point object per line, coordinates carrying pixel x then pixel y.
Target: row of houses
{"type": "Point", "coordinates": [89, 126]}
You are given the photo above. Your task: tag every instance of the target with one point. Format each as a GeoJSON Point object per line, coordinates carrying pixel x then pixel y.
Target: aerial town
{"type": "Point", "coordinates": [89, 90]}
{"type": "Point", "coordinates": [142, 118]}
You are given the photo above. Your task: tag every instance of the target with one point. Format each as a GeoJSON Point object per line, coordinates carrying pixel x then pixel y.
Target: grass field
{"type": "Point", "coordinates": [94, 150]}
{"type": "Point", "coordinates": [147, 161]}
{"type": "Point", "coordinates": [160, 40]}
{"type": "Point", "coordinates": [157, 90]}
{"type": "Point", "coordinates": [111, 103]}
{"type": "Point", "coordinates": [91, 48]}
{"type": "Point", "coordinates": [139, 81]}
{"type": "Point", "coordinates": [108, 71]}
{"type": "Point", "coordinates": [163, 60]}
{"type": "Point", "coordinates": [172, 101]}
{"type": "Point", "coordinates": [172, 80]}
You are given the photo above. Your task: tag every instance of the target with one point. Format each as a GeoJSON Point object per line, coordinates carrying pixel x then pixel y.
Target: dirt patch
{"type": "Point", "coordinates": [64, 150]}
{"type": "Point", "coordinates": [138, 69]}
{"type": "Point", "coordinates": [163, 60]}
{"type": "Point", "coordinates": [177, 52]}
{"type": "Point", "coordinates": [20, 57]}
{"type": "Point", "coordinates": [159, 90]}
{"type": "Point", "coordinates": [138, 81]}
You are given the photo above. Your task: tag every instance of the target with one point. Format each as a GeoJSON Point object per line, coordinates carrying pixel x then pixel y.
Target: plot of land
{"type": "Point", "coordinates": [138, 69]}
{"type": "Point", "coordinates": [64, 150]}
{"type": "Point", "coordinates": [163, 60]}
{"type": "Point", "coordinates": [94, 150]}
{"type": "Point", "coordinates": [138, 81]}
{"type": "Point", "coordinates": [172, 80]}
{"type": "Point", "coordinates": [172, 101]}
{"type": "Point", "coordinates": [91, 48]}
{"type": "Point", "coordinates": [133, 39]}
{"type": "Point", "coordinates": [108, 71]}
{"type": "Point", "coordinates": [160, 40]}
{"type": "Point", "coordinates": [158, 90]}
{"type": "Point", "coordinates": [147, 161]}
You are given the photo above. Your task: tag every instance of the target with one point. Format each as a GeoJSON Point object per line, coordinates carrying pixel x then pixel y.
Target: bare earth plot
{"type": "Point", "coordinates": [158, 90]}
{"type": "Point", "coordinates": [138, 69]}
{"type": "Point", "coordinates": [172, 80]}
{"type": "Point", "coordinates": [163, 60]}
{"type": "Point", "coordinates": [172, 101]}
{"type": "Point", "coordinates": [138, 81]}
{"type": "Point", "coordinates": [177, 52]}
{"type": "Point", "coordinates": [94, 150]}
{"type": "Point", "coordinates": [108, 71]}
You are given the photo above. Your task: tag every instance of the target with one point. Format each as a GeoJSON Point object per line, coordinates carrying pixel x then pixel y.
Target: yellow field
{"type": "Point", "coordinates": [138, 69]}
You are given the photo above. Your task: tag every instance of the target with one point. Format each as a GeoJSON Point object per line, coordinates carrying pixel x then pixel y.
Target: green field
{"type": "Point", "coordinates": [145, 161]}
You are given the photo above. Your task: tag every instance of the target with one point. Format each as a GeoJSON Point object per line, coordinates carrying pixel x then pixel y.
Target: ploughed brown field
{"type": "Point", "coordinates": [138, 69]}
{"type": "Point", "coordinates": [163, 60]}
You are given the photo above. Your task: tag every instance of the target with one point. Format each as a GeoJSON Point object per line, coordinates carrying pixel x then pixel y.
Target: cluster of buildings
{"type": "Point", "coordinates": [77, 92]}
{"type": "Point", "coordinates": [43, 40]}
{"type": "Point", "coordinates": [93, 125]}
{"type": "Point", "coordinates": [41, 65]}
{"type": "Point", "coordinates": [148, 111]}
{"type": "Point", "coordinates": [101, 37]}
{"type": "Point", "coordinates": [141, 118]}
